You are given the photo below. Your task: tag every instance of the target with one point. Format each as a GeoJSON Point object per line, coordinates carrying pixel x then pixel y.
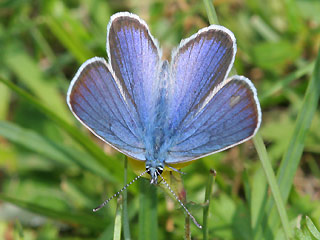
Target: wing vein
{"type": "Point", "coordinates": [222, 136]}
{"type": "Point", "coordinates": [209, 118]}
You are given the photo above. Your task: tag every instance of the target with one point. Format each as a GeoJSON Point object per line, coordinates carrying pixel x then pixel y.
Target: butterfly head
{"type": "Point", "coordinates": [154, 169]}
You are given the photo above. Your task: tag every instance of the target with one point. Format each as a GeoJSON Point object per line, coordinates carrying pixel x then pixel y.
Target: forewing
{"type": "Point", "coordinates": [231, 116]}
{"type": "Point", "coordinates": [99, 102]}
{"type": "Point", "coordinates": [199, 64]}
{"type": "Point", "coordinates": [135, 59]}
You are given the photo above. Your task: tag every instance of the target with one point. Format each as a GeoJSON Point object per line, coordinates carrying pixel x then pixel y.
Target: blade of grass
{"type": "Point", "coordinates": [294, 152]}
{"type": "Point", "coordinates": [263, 156]}
{"type": "Point", "coordinates": [292, 156]}
{"type": "Point", "coordinates": [35, 142]}
{"type": "Point", "coordinates": [91, 221]}
{"type": "Point", "coordinates": [112, 165]}
{"type": "Point", "coordinates": [68, 39]}
{"type": "Point", "coordinates": [281, 84]}
{"type": "Point", "coordinates": [148, 219]}
{"type": "Point", "coordinates": [19, 229]}
{"type": "Point", "coordinates": [61, 154]}
{"type": "Point", "coordinates": [4, 102]}
{"type": "Point", "coordinates": [212, 176]}
{"type": "Point", "coordinates": [42, 43]}
{"type": "Point", "coordinates": [118, 220]}
{"type": "Point", "coordinates": [259, 197]}
{"type": "Point", "coordinates": [45, 89]}
{"type": "Point", "coordinates": [125, 218]}
{"type": "Point", "coordinates": [211, 12]}
{"type": "Point", "coordinates": [264, 29]}
{"type": "Point", "coordinates": [312, 228]}
{"type": "Point", "coordinates": [266, 164]}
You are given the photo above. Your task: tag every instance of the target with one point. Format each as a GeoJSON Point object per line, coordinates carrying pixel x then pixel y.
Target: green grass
{"type": "Point", "coordinates": [53, 171]}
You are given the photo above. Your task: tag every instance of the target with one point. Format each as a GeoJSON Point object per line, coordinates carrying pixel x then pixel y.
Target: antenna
{"type": "Point", "coordinates": [184, 207]}
{"type": "Point", "coordinates": [116, 194]}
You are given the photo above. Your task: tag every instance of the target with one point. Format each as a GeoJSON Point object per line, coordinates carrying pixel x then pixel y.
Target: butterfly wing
{"type": "Point", "coordinates": [112, 100]}
{"type": "Point", "coordinates": [231, 117]}
{"type": "Point", "coordinates": [136, 61]}
{"type": "Point", "coordinates": [199, 64]}
{"type": "Point", "coordinates": [208, 113]}
{"type": "Point", "coordinates": [99, 103]}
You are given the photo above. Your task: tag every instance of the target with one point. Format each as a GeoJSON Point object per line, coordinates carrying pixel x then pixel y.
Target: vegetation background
{"type": "Point", "coordinates": [53, 171]}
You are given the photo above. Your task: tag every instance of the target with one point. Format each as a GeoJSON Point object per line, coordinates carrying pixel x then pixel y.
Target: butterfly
{"type": "Point", "coordinates": [159, 112]}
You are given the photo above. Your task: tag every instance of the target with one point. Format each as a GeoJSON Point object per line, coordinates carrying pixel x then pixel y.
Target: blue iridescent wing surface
{"type": "Point", "coordinates": [147, 109]}
{"type": "Point", "coordinates": [98, 101]}
{"type": "Point", "coordinates": [231, 116]}
{"type": "Point", "coordinates": [136, 61]}
{"type": "Point", "coordinates": [207, 112]}
{"type": "Point", "coordinates": [199, 64]}
{"type": "Point", "coordinates": [116, 100]}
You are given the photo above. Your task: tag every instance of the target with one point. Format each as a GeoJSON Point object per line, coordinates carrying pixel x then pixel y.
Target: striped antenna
{"type": "Point", "coordinates": [184, 207]}
{"type": "Point", "coordinates": [116, 194]}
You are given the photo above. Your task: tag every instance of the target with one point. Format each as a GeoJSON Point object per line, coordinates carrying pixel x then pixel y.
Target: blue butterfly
{"type": "Point", "coordinates": [160, 112]}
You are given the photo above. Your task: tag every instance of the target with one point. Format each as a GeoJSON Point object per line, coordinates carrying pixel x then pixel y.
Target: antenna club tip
{"type": "Point", "coordinates": [95, 210]}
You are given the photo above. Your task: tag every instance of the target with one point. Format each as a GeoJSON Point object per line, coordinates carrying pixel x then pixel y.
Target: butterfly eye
{"type": "Point", "coordinates": [160, 169]}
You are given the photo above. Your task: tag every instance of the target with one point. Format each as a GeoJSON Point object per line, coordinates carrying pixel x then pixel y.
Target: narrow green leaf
{"type": "Point", "coordinates": [264, 29]}
{"type": "Point", "coordinates": [32, 141]}
{"type": "Point", "coordinates": [263, 156]}
{"type": "Point", "coordinates": [211, 12]}
{"type": "Point", "coordinates": [283, 83]}
{"type": "Point", "coordinates": [90, 221]}
{"type": "Point", "coordinates": [302, 235]}
{"type": "Point", "coordinates": [42, 43]}
{"type": "Point", "coordinates": [4, 102]}
{"type": "Point", "coordinates": [207, 199]}
{"type": "Point", "coordinates": [100, 11]}
{"type": "Point", "coordinates": [64, 155]}
{"type": "Point", "coordinates": [29, 73]}
{"type": "Point", "coordinates": [19, 229]}
{"type": "Point", "coordinates": [266, 164]}
{"type": "Point", "coordinates": [292, 156]}
{"type": "Point", "coordinates": [148, 218]}
{"type": "Point", "coordinates": [312, 228]}
{"type": "Point", "coordinates": [306, 230]}
{"type": "Point", "coordinates": [126, 228]}
{"type": "Point", "coordinates": [258, 198]}
{"type": "Point", "coordinates": [69, 39]}
{"type": "Point", "coordinates": [118, 220]}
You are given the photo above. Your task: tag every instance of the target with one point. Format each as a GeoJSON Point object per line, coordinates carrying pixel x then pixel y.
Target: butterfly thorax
{"type": "Point", "coordinates": [156, 153]}
{"type": "Point", "coordinates": [155, 133]}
